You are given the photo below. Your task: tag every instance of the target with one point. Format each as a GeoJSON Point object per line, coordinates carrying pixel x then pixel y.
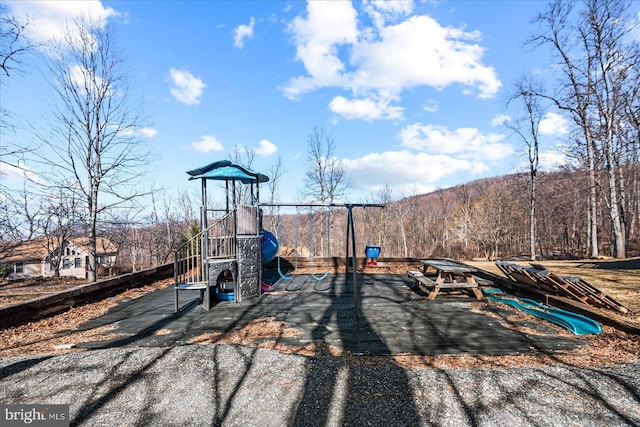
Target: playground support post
{"type": "Point", "coordinates": [354, 269]}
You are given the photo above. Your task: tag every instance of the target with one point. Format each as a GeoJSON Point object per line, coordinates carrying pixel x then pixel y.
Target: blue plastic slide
{"type": "Point", "coordinates": [576, 323]}
{"type": "Point", "coordinates": [270, 246]}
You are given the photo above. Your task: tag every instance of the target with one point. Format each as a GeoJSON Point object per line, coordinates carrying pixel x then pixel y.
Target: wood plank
{"type": "Point", "coordinates": [478, 293]}
{"type": "Point", "coordinates": [433, 294]}
{"type": "Point", "coordinates": [425, 281]}
{"type": "Point", "coordinates": [449, 267]}
{"type": "Point", "coordinates": [458, 285]}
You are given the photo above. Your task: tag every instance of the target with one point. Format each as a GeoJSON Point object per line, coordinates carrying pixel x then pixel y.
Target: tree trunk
{"type": "Point", "coordinates": [616, 223]}
{"type": "Point", "coordinates": [593, 199]}
{"type": "Point", "coordinates": [93, 212]}
{"type": "Point", "coordinates": [532, 217]}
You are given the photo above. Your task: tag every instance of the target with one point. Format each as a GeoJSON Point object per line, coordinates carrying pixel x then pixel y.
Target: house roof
{"type": "Point", "coordinates": [103, 245]}
{"type": "Point", "coordinates": [16, 251]}
{"type": "Point", "coordinates": [36, 250]}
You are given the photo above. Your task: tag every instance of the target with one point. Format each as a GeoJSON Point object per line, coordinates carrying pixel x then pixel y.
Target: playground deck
{"type": "Point", "coordinates": [393, 319]}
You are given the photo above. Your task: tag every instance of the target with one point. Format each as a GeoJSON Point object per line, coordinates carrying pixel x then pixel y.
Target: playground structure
{"type": "Point", "coordinates": [224, 260]}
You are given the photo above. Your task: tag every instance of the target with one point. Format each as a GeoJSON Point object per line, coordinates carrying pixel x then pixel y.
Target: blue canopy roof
{"type": "Point", "coordinates": [224, 170]}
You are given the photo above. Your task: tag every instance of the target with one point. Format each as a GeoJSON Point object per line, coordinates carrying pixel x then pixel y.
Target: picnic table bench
{"type": "Point", "coordinates": [444, 274]}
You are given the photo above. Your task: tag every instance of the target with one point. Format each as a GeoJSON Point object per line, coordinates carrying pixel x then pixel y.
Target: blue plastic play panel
{"type": "Point", "coordinates": [270, 246]}
{"type": "Point", "coordinates": [224, 170]}
{"type": "Point", "coordinates": [224, 296]}
{"type": "Point", "coordinates": [372, 251]}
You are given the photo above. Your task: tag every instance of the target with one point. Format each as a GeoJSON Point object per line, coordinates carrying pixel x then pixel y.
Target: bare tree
{"type": "Point", "coordinates": [326, 179]}
{"type": "Point", "coordinates": [384, 196]}
{"type": "Point", "coordinates": [401, 211]}
{"type": "Point", "coordinates": [95, 142]}
{"type": "Point", "coordinates": [243, 156]}
{"type": "Point", "coordinates": [164, 230]}
{"type": "Point", "coordinates": [119, 227]}
{"type": "Point", "coordinates": [276, 171]}
{"type": "Point", "coordinates": [526, 127]}
{"type": "Point", "coordinates": [14, 46]}
{"type": "Point", "coordinates": [13, 42]}
{"type": "Point", "coordinates": [631, 128]}
{"type": "Point", "coordinates": [607, 22]}
{"type": "Point", "coordinates": [574, 91]}
{"type": "Point", "coordinates": [490, 222]}
{"type": "Point", "coordinates": [597, 59]}
{"type": "Point", "coordinates": [460, 227]}
{"type": "Point", "coordinates": [19, 216]}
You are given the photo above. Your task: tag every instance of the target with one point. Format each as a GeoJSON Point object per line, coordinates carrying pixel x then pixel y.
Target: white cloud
{"type": "Point", "coordinates": [463, 142]}
{"type": "Point", "coordinates": [379, 63]}
{"type": "Point", "coordinates": [207, 143]}
{"type": "Point", "coordinates": [9, 172]}
{"type": "Point", "coordinates": [147, 132]}
{"type": "Point", "coordinates": [401, 59]}
{"type": "Point", "coordinates": [266, 148]}
{"type": "Point", "coordinates": [431, 154]}
{"type": "Point", "coordinates": [402, 169]}
{"type": "Point", "coordinates": [317, 38]}
{"type": "Point", "coordinates": [48, 19]}
{"type": "Point", "coordinates": [243, 32]}
{"type": "Point", "coordinates": [551, 160]}
{"type": "Point", "coordinates": [143, 132]}
{"type": "Point", "coordinates": [382, 12]}
{"type": "Point", "coordinates": [431, 106]}
{"type": "Point", "coordinates": [186, 88]}
{"type": "Point", "coordinates": [366, 109]}
{"type": "Point", "coordinates": [500, 119]}
{"type": "Point", "coordinates": [553, 124]}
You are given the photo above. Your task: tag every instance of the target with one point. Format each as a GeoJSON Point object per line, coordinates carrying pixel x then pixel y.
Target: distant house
{"type": "Point", "coordinates": [31, 259]}
{"type": "Point", "coordinates": [23, 259]}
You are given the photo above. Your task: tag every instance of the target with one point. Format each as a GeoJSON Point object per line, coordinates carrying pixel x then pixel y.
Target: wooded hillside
{"type": "Point", "coordinates": [486, 218]}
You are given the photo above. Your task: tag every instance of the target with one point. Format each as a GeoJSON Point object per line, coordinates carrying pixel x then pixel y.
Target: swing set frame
{"type": "Point", "coordinates": [350, 243]}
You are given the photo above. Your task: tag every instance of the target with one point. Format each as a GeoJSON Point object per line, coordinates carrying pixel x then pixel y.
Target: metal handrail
{"type": "Point", "coordinates": [218, 241]}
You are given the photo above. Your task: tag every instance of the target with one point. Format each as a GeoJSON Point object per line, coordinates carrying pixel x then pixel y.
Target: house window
{"type": "Point", "coordinates": [19, 267]}
{"type": "Point", "coordinates": [77, 262]}
{"type": "Point", "coordinates": [52, 266]}
{"type": "Point", "coordinates": [66, 264]}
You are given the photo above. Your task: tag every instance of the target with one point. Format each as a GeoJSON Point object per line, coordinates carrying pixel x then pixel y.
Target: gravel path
{"type": "Point", "coordinates": [242, 386]}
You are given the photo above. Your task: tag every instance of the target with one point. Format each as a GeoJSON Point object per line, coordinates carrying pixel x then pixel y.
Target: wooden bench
{"type": "Point", "coordinates": [422, 282]}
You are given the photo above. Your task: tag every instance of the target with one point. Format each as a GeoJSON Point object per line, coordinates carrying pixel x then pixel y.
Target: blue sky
{"type": "Point", "coordinates": [412, 92]}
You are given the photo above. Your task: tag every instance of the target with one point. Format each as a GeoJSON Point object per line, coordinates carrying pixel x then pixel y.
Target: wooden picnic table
{"type": "Point", "coordinates": [448, 275]}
